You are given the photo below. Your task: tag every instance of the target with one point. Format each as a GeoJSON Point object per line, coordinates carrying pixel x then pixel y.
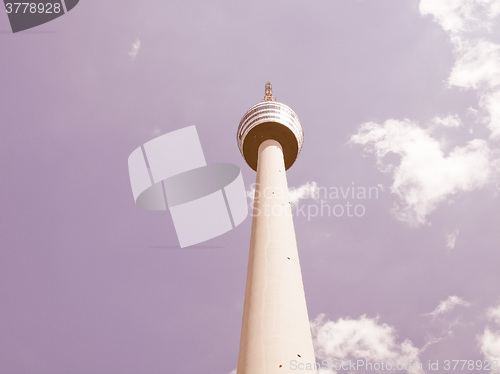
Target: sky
{"type": "Point", "coordinates": [396, 189]}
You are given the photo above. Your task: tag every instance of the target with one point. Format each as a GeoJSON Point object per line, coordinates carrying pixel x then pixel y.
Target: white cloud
{"type": "Point", "coordinates": [489, 340]}
{"type": "Point", "coordinates": [425, 176]}
{"type": "Point", "coordinates": [469, 24]}
{"type": "Point", "coordinates": [451, 239]}
{"type": "Point", "coordinates": [489, 345]}
{"type": "Point", "coordinates": [309, 190]}
{"type": "Point", "coordinates": [494, 315]}
{"type": "Point", "coordinates": [491, 103]}
{"type": "Point", "coordinates": [446, 306]}
{"type": "Point", "coordinates": [451, 120]}
{"type": "Point", "coordinates": [135, 48]}
{"type": "Point", "coordinates": [305, 191]}
{"type": "Point", "coordinates": [458, 16]}
{"type": "Point", "coordinates": [364, 339]}
{"type": "Point", "coordinates": [449, 14]}
{"type": "Point", "coordinates": [478, 65]}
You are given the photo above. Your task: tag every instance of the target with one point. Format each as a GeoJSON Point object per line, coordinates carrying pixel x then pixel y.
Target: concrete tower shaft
{"type": "Point", "coordinates": [275, 333]}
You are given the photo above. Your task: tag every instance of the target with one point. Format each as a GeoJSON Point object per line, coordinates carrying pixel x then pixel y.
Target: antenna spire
{"type": "Point", "coordinates": [269, 92]}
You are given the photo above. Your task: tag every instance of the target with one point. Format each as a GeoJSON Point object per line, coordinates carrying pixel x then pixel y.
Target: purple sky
{"type": "Point", "coordinates": [399, 95]}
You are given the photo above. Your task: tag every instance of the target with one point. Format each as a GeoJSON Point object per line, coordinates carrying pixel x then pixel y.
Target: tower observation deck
{"type": "Point", "coordinates": [275, 332]}
{"type": "Point", "coordinates": [270, 119]}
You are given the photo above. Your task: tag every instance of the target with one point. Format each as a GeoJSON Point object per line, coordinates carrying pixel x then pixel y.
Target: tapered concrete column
{"type": "Point", "coordinates": [275, 333]}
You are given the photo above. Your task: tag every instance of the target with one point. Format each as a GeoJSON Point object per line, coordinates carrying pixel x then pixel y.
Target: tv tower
{"type": "Point", "coordinates": [275, 333]}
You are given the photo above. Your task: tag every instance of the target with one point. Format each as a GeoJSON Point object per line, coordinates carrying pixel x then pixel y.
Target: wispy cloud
{"type": "Point", "coordinates": [363, 338]}
{"type": "Point", "coordinates": [451, 239]}
{"type": "Point", "coordinates": [451, 120]}
{"type": "Point", "coordinates": [445, 320]}
{"type": "Point", "coordinates": [135, 48]}
{"type": "Point", "coordinates": [425, 175]}
{"type": "Point", "coordinates": [446, 306]}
